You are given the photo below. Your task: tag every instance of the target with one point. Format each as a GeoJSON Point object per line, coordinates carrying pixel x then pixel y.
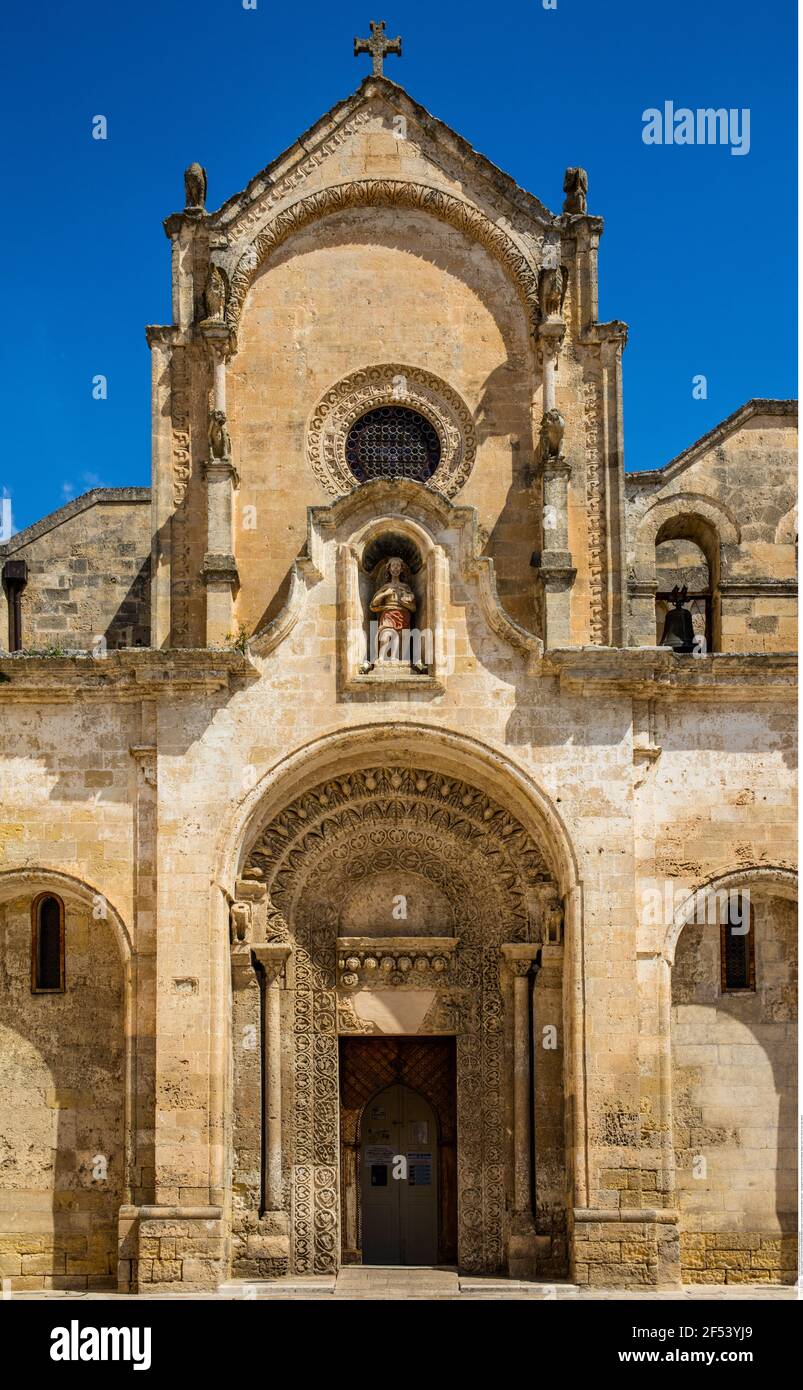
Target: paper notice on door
{"type": "Point", "coordinates": [419, 1132]}
{"type": "Point", "coordinates": [419, 1169]}
{"type": "Point", "coordinates": [378, 1153]}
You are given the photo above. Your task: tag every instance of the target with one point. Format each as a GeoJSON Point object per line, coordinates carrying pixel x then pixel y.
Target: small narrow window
{"type": "Point", "coordinates": [737, 946]}
{"type": "Point", "coordinates": [47, 945]}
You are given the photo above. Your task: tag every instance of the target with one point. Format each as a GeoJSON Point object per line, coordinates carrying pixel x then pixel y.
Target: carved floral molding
{"type": "Point", "coordinates": [390, 384]}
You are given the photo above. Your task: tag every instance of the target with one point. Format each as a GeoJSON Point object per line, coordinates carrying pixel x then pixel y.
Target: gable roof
{"type": "Point", "coordinates": [757, 406]}
{"type": "Point", "coordinates": [96, 495]}
{"type": "Point", "coordinates": [397, 98]}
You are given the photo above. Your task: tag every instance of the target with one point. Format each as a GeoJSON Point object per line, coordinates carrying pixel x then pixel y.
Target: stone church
{"type": "Point", "coordinates": [397, 831]}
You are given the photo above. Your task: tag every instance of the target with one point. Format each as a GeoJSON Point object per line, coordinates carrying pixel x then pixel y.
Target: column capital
{"type": "Point", "coordinates": [550, 335]}
{"type": "Point", "coordinates": [220, 340]}
{"type": "Point", "coordinates": [272, 956]}
{"type": "Point", "coordinates": [520, 955]}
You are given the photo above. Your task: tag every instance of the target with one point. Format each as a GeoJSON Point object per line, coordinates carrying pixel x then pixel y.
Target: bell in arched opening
{"type": "Point", "coordinates": [678, 630]}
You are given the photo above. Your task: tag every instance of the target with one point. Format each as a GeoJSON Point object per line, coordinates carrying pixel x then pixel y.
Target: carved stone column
{"type": "Point", "coordinates": [522, 1242]}
{"type": "Point", "coordinates": [219, 568]}
{"type": "Point", "coordinates": [271, 959]}
{"type": "Point", "coordinates": [556, 574]}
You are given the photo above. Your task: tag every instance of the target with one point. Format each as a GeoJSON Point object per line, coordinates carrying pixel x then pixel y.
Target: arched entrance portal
{"type": "Point", "coordinates": [398, 1160]}
{"type": "Point", "coordinates": [391, 905]}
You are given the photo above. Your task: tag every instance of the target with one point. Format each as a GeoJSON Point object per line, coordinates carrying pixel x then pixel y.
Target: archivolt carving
{"type": "Point", "coordinates": [387, 193]}
{"type": "Point", "coordinates": [455, 834]}
{"type": "Point", "coordinates": [390, 384]}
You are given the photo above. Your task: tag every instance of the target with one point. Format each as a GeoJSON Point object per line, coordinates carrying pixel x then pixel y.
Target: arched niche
{"type": "Point", "coordinates": [66, 1061]}
{"type": "Point", "coordinates": [732, 1080]}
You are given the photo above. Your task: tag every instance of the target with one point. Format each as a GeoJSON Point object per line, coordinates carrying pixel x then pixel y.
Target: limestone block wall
{"type": "Point", "coordinates": [411, 291]}
{"type": "Point", "coordinates": [734, 1103]}
{"type": "Point", "coordinates": [88, 573]}
{"type": "Point", "coordinates": [61, 1106]}
{"type": "Point", "coordinates": [738, 487]}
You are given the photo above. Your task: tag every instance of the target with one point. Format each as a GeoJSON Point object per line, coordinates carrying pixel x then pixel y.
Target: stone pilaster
{"type": "Point", "coordinates": [522, 1238]}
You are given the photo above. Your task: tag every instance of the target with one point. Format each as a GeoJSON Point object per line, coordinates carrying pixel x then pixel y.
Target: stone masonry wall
{"type": "Point", "coordinates": [88, 574]}
{"type": "Point", "coordinates": [61, 1107]}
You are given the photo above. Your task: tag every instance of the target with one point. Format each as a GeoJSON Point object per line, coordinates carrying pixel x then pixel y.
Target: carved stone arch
{"type": "Point", "coordinates": [66, 886]}
{"type": "Point", "coordinates": [698, 516]}
{"type": "Point", "coordinates": [337, 752]}
{"type": "Point", "coordinates": [393, 193]}
{"type": "Point", "coordinates": [358, 819]}
{"type": "Point", "coordinates": [87, 1049]}
{"type": "Point", "coordinates": [769, 878]}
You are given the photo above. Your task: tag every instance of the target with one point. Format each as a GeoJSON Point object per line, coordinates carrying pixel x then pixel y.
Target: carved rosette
{"type": "Point", "coordinates": [390, 384]}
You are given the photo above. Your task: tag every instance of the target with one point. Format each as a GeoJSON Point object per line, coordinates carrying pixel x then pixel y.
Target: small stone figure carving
{"type": "Point", "coordinates": [215, 294]}
{"type": "Point", "coordinates": [553, 426]}
{"type": "Point", "coordinates": [575, 186]}
{"type": "Point", "coordinates": [240, 914]}
{"type": "Point", "coordinates": [552, 928]}
{"type": "Point", "coordinates": [553, 288]}
{"type": "Point", "coordinates": [219, 441]}
{"type": "Point", "coordinates": [195, 186]}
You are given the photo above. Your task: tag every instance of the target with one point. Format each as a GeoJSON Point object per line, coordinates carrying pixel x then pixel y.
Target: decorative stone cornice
{"type": "Point", "coordinates": [395, 960]}
{"type": "Point", "coordinates": [656, 672]}
{"type": "Point", "coordinates": [519, 956]}
{"type": "Point", "coordinates": [122, 675]}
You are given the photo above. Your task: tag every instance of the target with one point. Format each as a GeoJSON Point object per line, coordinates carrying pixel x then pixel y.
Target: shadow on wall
{"type": "Point", "coordinates": [734, 1084]}
{"type": "Point", "coordinates": [61, 1106]}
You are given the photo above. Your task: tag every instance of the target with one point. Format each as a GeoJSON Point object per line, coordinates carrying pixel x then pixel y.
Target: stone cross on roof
{"type": "Point", "coordinates": [378, 45]}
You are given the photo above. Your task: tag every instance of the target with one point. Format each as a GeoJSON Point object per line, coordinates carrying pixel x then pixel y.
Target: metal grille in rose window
{"type": "Point", "coordinates": [392, 442]}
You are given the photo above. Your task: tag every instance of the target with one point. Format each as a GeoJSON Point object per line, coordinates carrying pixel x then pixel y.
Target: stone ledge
{"type": "Point", "coordinates": [129, 674]}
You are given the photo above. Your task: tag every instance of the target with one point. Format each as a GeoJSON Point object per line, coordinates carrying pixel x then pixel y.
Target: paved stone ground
{"type": "Point", "coordinates": [392, 1282]}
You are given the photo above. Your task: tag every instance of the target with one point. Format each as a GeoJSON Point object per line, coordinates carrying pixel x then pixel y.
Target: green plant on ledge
{"type": "Point", "coordinates": [238, 641]}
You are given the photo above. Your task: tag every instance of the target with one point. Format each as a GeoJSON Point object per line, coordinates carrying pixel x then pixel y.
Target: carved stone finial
{"type": "Point", "coordinates": [553, 427]}
{"type": "Point", "coordinates": [195, 187]}
{"type": "Point", "coordinates": [215, 295]}
{"type": "Point", "coordinates": [575, 186]}
{"type": "Point", "coordinates": [379, 45]}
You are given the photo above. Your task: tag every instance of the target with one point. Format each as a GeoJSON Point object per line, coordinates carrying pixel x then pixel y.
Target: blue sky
{"type": "Point", "coordinates": [698, 251]}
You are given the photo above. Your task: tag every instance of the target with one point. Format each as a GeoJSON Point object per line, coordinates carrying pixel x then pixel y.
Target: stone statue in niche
{"type": "Point", "coordinates": [394, 601]}
{"type": "Point", "coordinates": [195, 186]}
{"type": "Point", "coordinates": [575, 186]}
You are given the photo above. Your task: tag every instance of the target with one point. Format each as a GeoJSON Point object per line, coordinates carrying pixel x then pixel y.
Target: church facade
{"type": "Point", "coordinates": [398, 839]}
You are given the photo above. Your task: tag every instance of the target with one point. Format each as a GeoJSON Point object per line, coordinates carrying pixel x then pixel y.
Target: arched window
{"type": "Point", "coordinates": [687, 556]}
{"type": "Point", "coordinates": [393, 442]}
{"type": "Point", "coordinates": [47, 945]}
{"type": "Point", "coordinates": [737, 955]}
